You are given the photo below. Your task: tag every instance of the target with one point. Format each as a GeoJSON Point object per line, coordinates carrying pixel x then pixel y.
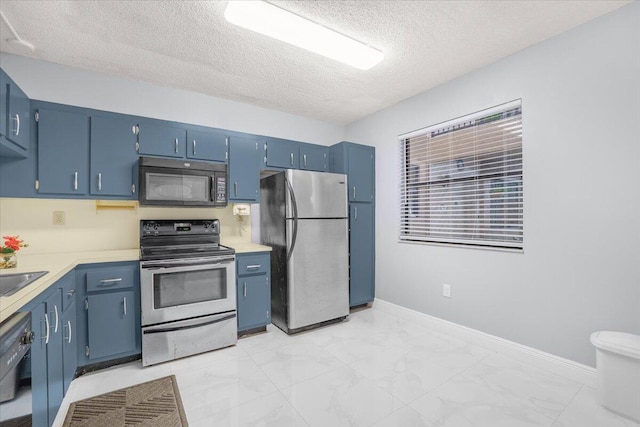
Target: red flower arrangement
{"type": "Point", "coordinates": [8, 257]}
{"type": "Point", "coordinates": [12, 244]}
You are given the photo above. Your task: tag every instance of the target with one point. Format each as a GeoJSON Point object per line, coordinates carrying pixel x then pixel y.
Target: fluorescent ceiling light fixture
{"type": "Point", "coordinates": [270, 20]}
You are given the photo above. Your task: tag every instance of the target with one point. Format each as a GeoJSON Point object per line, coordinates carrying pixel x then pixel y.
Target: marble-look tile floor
{"type": "Point", "coordinates": [372, 369]}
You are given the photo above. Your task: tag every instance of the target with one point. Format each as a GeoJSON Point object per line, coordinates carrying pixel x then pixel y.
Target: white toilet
{"type": "Point", "coordinates": [618, 363]}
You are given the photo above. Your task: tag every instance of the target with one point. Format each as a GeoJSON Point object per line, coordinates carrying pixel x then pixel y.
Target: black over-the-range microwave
{"type": "Point", "coordinates": [173, 182]}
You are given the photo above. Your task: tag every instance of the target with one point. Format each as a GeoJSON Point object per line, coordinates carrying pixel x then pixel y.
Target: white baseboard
{"type": "Point", "coordinates": [583, 374]}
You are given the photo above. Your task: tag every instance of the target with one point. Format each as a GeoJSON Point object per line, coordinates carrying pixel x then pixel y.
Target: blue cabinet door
{"type": "Point", "coordinates": [207, 145]}
{"type": "Point", "coordinates": [314, 157]}
{"type": "Point", "coordinates": [55, 378]}
{"type": "Point", "coordinates": [63, 152]}
{"type": "Point", "coordinates": [111, 323]}
{"type": "Point", "coordinates": [281, 153]}
{"type": "Point", "coordinates": [113, 156]}
{"type": "Point", "coordinates": [69, 341]}
{"type": "Point", "coordinates": [361, 253]}
{"type": "Point", "coordinates": [254, 300]}
{"type": "Point", "coordinates": [18, 116]}
{"type": "Point", "coordinates": [361, 171]}
{"type": "Point", "coordinates": [38, 351]}
{"type": "Point", "coordinates": [159, 138]}
{"type": "Point", "coordinates": [14, 119]}
{"type": "Point", "coordinates": [244, 171]}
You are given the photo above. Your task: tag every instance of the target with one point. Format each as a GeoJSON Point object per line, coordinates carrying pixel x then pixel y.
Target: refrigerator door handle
{"type": "Point", "coordinates": [294, 205]}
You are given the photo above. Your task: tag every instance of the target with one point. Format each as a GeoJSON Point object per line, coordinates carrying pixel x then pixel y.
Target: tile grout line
{"type": "Point", "coordinates": [555, 420]}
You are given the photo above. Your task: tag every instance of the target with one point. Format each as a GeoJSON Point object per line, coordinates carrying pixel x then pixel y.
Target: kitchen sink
{"type": "Point", "coordinates": [12, 283]}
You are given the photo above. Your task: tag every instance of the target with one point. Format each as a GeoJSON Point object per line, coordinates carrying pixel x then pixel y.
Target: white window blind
{"type": "Point", "coordinates": [461, 180]}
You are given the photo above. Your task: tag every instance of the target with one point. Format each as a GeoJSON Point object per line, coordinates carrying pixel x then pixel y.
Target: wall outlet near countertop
{"type": "Point", "coordinates": [446, 290]}
{"type": "Point", "coordinates": [58, 217]}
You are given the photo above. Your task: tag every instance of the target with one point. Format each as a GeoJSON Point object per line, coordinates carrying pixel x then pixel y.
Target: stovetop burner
{"type": "Point", "coordinates": [180, 239]}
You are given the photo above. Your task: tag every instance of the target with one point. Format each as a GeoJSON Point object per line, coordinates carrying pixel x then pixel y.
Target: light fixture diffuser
{"type": "Point", "coordinates": [272, 21]}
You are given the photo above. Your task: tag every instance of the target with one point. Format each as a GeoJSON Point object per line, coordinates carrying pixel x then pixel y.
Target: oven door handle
{"type": "Point", "coordinates": [155, 265]}
{"type": "Point", "coordinates": [182, 328]}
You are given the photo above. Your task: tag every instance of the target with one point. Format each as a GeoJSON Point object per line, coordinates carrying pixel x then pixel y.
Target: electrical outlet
{"type": "Point", "coordinates": [446, 290]}
{"type": "Point", "coordinates": [58, 218]}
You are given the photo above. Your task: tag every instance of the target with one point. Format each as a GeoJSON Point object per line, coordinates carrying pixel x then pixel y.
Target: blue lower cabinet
{"type": "Point", "coordinates": [69, 345]}
{"type": "Point", "coordinates": [253, 289]}
{"type": "Point", "coordinates": [109, 315]}
{"type": "Point", "coordinates": [39, 392]}
{"type": "Point", "coordinates": [111, 324]}
{"type": "Point", "coordinates": [47, 381]}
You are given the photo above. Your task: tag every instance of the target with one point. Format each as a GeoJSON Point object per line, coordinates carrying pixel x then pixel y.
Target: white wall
{"type": "Point", "coordinates": [66, 85]}
{"type": "Point", "coordinates": [580, 270]}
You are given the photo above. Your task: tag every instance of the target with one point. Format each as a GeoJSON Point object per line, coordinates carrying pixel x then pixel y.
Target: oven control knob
{"type": "Point", "coordinates": [156, 227]}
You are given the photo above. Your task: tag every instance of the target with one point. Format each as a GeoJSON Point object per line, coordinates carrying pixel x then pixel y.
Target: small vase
{"type": "Point", "coordinates": [8, 260]}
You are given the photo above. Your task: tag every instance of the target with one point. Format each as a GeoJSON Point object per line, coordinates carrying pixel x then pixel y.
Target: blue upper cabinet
{"type": "Point", "coordinates": [207, 145]}
{"type": "Point", "coordinates": [113, 156]}
{"type": "Point", "coordinates": [281, 153]}
{"type": "Point", "coordinates": [14, 119]}
{"type": "Point", "coordinates": [159, 138]}
{"type": "Point", "coordinates": [244, 169]}
{"type": "Point", "coordinates": [358, 162]}
{"type": "Point", "coordinates": [63, 151]}
{"type": "Point", "coordinates": [314, 157]}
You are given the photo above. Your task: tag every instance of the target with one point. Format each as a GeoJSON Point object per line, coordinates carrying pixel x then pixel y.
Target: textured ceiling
{"type": "Point", "coordinates": [189, 45]}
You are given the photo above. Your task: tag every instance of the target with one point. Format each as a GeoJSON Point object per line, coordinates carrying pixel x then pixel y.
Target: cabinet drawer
{"type": "Point", "coordinates": [113, 278]}
{"type": "Point", "coordinates": [252, 264]}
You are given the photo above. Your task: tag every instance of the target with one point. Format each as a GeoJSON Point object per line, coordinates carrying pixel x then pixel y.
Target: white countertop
{"type": "Point", "coordinates": [59, 264]}
{"type": "Point", "coordinates": [242, 246]}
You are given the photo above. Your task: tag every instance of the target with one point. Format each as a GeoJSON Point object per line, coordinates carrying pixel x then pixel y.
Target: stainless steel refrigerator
{"type": "Point", "coordinates": [304, 218]}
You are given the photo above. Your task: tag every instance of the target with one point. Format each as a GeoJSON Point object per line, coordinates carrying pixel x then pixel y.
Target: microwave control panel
{"type": "Point", "coordinates": [221, 189]}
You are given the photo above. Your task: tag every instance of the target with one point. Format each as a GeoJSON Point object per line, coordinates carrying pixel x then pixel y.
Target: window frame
{"type": "Point", "coordinates": [503, 188]}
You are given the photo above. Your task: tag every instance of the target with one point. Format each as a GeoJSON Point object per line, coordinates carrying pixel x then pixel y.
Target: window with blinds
{"type": "Point", "coordinates": [461, 180]}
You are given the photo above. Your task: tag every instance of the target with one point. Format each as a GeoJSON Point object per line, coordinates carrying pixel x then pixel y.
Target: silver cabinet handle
{"type": "Point", "coordinates": [235, 188]}
{"type": "Point", "coordinates": [47, 326]}
{"type": "Point", "coordinates": [176, 145]}
{"type": "Point", "coordinates": [100, 182]}
{"type": "Point", "coordinates": [253, 266]}
{"type": "Point", "coordinates": [69, 327]}
{"type": "Point", "coordinates": [354, 191]}
{"type": "Point", "coordinates": [304, 156]}
{"type": "Point", "coordinates": [55, 309]}
{"type": "Point", "coordinates": [124, 304]}
{"type": "Point", "coordinates": [291, 159]}
{"type": "Point", "coordinates": [194, 147]}
{"type": "Point", "coordinates": [109, 282]}
{"type": "Point", "coordinates": [356, 216]}
{"type": "Point", "coordinates": [244, 292]}
{"type": "Point", "coordinates": [71, 292]}
{"type": "Point", "coordinates": [17, 119]}
{"type": "Point", "coordinates": [75, 181]}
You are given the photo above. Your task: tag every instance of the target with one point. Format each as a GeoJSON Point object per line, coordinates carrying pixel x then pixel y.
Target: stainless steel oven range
{"type": "Point", "coordinates": [187, 287]}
